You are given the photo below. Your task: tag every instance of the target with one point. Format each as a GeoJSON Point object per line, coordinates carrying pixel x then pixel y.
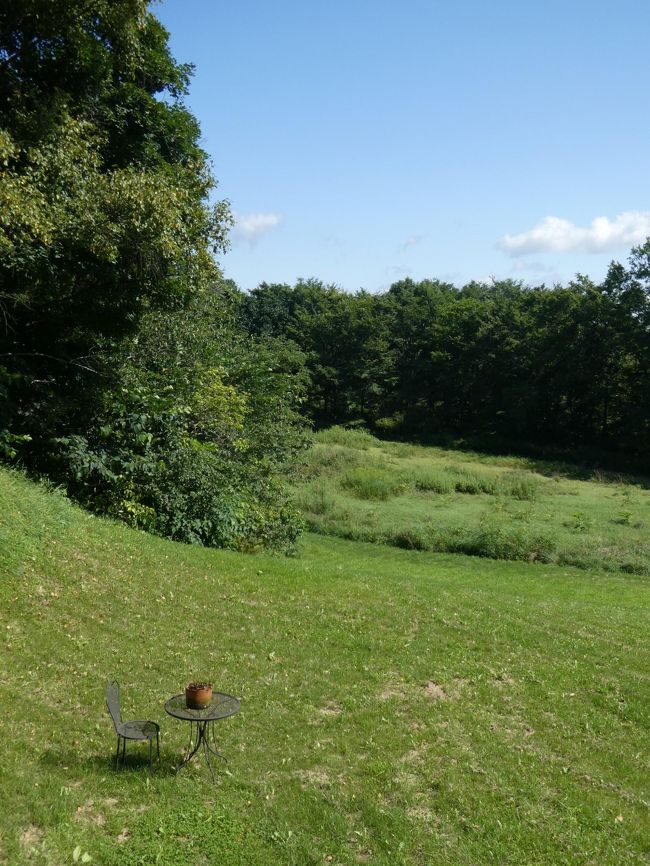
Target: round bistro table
{"type": "Point", "coordinates": [220, 707]}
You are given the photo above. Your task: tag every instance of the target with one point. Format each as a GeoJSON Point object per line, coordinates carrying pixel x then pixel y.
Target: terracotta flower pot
{"type": "Point", "coordinates": [198, 695]}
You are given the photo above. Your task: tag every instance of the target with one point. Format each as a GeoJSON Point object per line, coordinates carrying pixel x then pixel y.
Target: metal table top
{"type": "Point", "coordinates": [220, 707]}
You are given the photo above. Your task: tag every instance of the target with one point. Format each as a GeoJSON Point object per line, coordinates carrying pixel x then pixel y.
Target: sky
{"type": "Point", "coordinates": [364, 141]}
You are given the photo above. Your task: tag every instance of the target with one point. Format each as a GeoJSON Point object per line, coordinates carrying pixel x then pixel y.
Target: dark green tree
{"type": "Point", "coordinates": [123, 373]}
{"type": "Point", "coordinates": [103, 201]}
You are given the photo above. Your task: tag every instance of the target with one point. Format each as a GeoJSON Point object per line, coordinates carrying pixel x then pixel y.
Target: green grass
{"type": "Point", "coordinates": [432, 499]}
{"type": "Point", "coordinates": [397, 707]}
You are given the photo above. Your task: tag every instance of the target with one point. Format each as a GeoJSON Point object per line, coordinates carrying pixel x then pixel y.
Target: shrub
{"type": "Point", "coordinates": [472, 482]}
{"type": "Point", "coordinates": [414, 538]}
{"type": "Point", "coordinates": [350, 438]}
{"type": "Point", "coordinates": [317, 499]}
{"type": "Point", "coordinates": [333, 459]}
{"type": "Point", "coordinates": [497, 541]}
{"type": "Point", "coordinates": [432, 481]}
{"type": "Point", "coordinates": [523, 487]}
{"type": "Point", "coordinates": [373, 483]}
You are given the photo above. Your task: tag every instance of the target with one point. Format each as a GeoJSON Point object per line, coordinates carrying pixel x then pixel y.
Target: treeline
{"type": "Point", "coordinates": [506, 365]}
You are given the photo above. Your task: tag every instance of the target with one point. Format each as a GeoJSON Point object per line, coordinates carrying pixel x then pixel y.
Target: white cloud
{"type": "Point", "coordinates": [554, 234]}
{"type": "Point", "coordinates": [251, 226]}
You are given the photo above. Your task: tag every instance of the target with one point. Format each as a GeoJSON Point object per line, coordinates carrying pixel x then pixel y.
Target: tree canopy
{"type": "Point", "coordinates": [122, 373]}
{"type": "Point", "coordinates": [508, 365]}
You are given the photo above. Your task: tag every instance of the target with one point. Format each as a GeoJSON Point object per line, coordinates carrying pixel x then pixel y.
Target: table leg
{"type": "Point", "coordinates": [189, 745]}
{"type": "Point", "coordinates": [214, 750]}
{"type": "Point", "coordinates": [203, 730]}
{"type": "Point", "coordinates": [196, 747]}
{"type": "Point", "coordinates": [206, 748]}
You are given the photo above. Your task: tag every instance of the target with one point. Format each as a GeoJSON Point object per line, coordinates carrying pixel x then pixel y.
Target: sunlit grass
{"type": "Point", "coordinates": [496, 507]}
{"type": "Point", "coordinates": [397, 707]}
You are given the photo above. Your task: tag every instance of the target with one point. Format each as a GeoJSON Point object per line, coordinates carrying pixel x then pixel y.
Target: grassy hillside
{"type": "Point", "coordinates": [356, 487]}
{"type": "Point", "coordinates": [398, 707]}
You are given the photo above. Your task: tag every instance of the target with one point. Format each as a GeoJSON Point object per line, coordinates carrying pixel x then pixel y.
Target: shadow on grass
{"type": "Point", "coordinates": [136, 763]}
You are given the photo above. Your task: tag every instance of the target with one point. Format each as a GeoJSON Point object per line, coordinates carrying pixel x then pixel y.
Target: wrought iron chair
{"type": "Point", "coordinates": [138, 729]}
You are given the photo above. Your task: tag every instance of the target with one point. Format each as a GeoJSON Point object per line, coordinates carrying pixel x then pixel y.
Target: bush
{"type": "Point", "coordinates": [414, 538]}
{"type": "Point", "coordinates": [333, 459]}
{"type": "Point", "coordinates": [317, 499]}
{"type": "Point", "coordinates": [433, 481]}
{"type": "Point", "coordinates": [140, 463]}
{"type": "Point", "coordinates": [472, 482]}
{"type": "Point", "coordinates": [523, 487]}
{"type": "Point", "coordinates": [350, 438]}
{"type": "Point", "coordinates": [496, 541]}
{"type": "Point", "coordinates": [373, 483]}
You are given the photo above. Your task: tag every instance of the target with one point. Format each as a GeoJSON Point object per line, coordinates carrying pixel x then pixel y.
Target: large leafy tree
{"type": "Point", "coordinates": [122, 373]}
{"type": "Point", "coordinates": [103, 200]}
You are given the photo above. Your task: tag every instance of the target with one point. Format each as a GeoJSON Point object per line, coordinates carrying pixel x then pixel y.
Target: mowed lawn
{"type": "Point", "coordinates": [398, 707]}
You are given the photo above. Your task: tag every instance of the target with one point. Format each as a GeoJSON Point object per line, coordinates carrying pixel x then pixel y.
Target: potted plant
{"type": "Point", "coordinates": [198, 695]}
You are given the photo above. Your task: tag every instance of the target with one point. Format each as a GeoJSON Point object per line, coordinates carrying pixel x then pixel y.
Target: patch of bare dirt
{"type": "Point", "coordinates": [502, 680]}
{"type": "Point", "coordinates": [435, 692]}
{"type": "Point", "coordinates": [331, 708]}
{"type": "Point", "coordinates": [30, 839]}
{"type": "Point", "coordinates": [420, 814]}
{"type": "Point", "coordinates": [87, 812]}
{"type": "Point", "coordinates": [314, 777]}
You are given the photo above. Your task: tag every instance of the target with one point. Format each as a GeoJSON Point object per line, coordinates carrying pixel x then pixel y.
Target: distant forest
{"type": "Point", "coordinates": [504, 365]}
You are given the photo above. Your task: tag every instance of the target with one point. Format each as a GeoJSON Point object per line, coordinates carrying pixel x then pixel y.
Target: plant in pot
{"type": "Point", "coordinates": [198, 695]}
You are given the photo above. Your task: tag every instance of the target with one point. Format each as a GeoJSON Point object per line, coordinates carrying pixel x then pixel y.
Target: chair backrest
{"type": "Point", "coordinates": [113, 702]}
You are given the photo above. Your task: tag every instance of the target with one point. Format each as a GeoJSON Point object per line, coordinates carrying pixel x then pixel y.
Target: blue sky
{"type": "Point", "coordinates": [368, 140]}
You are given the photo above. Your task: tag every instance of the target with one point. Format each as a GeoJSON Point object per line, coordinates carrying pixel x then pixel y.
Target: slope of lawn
{"type": "Point", "coordinates": [398, 707]}
{"type": "Point", "coordinates": [355, 486]}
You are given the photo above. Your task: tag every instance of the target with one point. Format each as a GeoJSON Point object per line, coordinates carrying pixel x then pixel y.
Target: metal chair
{"type": "Point", "coordinates": [138, 729]}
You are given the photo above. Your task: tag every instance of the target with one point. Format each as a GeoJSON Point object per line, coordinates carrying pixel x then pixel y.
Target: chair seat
{"type": "Point", "coordinates": [139, 729]}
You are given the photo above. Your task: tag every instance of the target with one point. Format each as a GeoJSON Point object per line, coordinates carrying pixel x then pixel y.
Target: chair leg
{"type": "Point", "coordinates": [123, 750]}
{"type": "Point", "coordinates": [150, 751]}
{"type": "Point", "coordinates": [117, 753]}
{"type": "Point", "coordinates": [158, 744]}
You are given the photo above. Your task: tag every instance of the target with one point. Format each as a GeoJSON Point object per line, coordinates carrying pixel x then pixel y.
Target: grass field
{"type": "Point", "coordinates": [398, 707]}
{"type": "Point", "coordinates": [354, 486]}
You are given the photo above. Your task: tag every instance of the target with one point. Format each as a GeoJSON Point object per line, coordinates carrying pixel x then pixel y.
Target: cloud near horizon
{"type": "Point", "coordinates": [250, 227]}
{"type": "Point", "coordinates": [554, 234]}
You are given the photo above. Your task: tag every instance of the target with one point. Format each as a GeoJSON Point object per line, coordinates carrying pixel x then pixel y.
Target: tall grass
{"type": "Point", "coordinates": [349, 437]}
{"type": "Point", "coordinates": [368, 482]}
{"type": "Point", "coordinates": [450, 479]}
{"type": "Point", "coordinates": [429, 499]}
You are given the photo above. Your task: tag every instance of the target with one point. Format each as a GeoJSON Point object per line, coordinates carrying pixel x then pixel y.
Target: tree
{"type": "Point", "coordinates": [122, 372]}
{"type": "Point", "coordinates": [103, 201]}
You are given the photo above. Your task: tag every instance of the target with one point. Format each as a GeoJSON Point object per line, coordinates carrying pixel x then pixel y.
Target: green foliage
{"type": "Point", "coordinates": [498, 540]}
{"type": "Point", "coordinates": [372, 483]}
{"type": "Point", "coordinates": [124, 375]}
{"type": "Point", "coordinates": [347, 437]}
{"type": "Point", "coordinates": [530, 367]}
{"type": "Point", "coordinates": [433, 480]}
{"type": "Point", "coordinates": [524, 487]}
{"type": "Point", "coordinates": [194, 446]}
{"type": "Point", "coordinates": [430, 499]}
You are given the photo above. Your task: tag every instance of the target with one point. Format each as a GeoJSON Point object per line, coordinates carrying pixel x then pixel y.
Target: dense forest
{"type": "Point", "coordinates": [507, 365]}
{"type": "Point", "coordinates": [154, 390]}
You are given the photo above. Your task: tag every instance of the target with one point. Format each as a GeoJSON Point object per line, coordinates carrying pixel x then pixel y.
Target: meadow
{"type": "Point", "coordinates": [398, 706]}
{"type": "Point", "coordinates": [500, 507]}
